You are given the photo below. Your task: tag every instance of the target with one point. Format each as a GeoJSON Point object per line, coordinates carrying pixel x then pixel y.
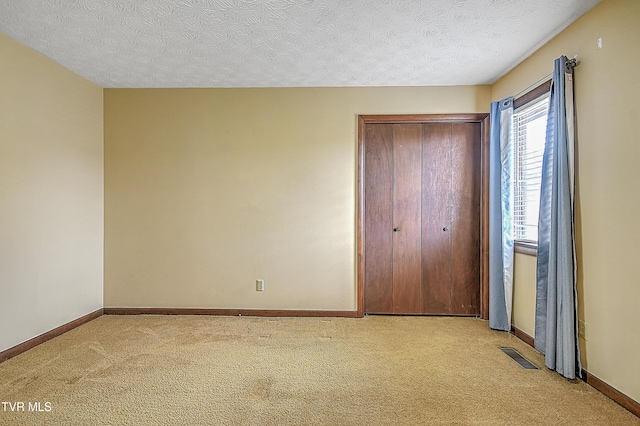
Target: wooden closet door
{"type": "Point", "coordinates": [422, 218]}
{"type": "Point", "coordinates": [451, 219]}
{"type": "Point", "coordinates": [465, 219]}
{"type": "Point", "coordinates": [392, 218]}
{"type": "Point", "coordinates": [378, 221]}
{"type": "Point", "coordinates": [436, 214]}
{"type": "Point", "coordinates": [407, 172]}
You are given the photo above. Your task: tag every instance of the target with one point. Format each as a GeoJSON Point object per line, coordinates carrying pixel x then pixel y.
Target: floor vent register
{"type": "Point", "coordinates": [517, 357]}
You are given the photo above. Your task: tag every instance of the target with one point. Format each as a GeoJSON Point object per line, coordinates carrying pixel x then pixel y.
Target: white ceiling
{"type": "Point", "coordinates": [287, 43]}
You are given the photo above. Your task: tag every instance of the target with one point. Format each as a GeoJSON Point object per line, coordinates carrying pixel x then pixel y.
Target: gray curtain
{"type": "Point", "coordinates": [556, 303]}
{"type": "Point", "coordinates": [501, 215]}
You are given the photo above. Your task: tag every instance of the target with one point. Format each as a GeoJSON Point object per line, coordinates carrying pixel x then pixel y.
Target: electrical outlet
{"type": "Point", "coordinates": [582, 330]}
{"type": "Point", "coordinates": [259, 285]}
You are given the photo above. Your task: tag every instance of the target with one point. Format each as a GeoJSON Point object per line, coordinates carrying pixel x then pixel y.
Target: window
{"type": "Point", "coordinates": [529, 124]}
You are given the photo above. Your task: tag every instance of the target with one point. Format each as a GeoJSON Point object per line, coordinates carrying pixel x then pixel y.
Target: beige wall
{"type": "Point", "coordinates": [524, 292]}
{"type": "Point", "coordinates": [208, 190]}
{"type": "Point", "coordinates": [51, 194]}
{"type": "Point", "coordinates": [607, 89]}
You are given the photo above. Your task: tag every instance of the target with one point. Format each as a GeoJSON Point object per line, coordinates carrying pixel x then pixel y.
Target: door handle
{"type": "Point", "coordinates": [396, 229]}
{"type": "Point", "coordinates": [445, 229]}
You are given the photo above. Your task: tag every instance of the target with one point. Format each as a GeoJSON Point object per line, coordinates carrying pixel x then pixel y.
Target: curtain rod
{"type": "Point", "coordinates": [573, 62]}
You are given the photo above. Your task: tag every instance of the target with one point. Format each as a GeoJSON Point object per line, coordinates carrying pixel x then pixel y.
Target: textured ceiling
{"type": "Point", "coordinates": [280, 43]}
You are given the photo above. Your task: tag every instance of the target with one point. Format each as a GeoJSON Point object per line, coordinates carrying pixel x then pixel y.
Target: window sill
{"type": "Point", "coordinates": [530, 249]}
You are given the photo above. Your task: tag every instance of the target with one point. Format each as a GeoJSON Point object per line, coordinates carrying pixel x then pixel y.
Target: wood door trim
{"type": "Point", "coordinates": [484, 219]}
{"type": "Point", "coordinates": [483, 119]}
{"type": "Point", "coordinates": [424, 118]}
{"type": "Point", "coordinates": [360, 220]}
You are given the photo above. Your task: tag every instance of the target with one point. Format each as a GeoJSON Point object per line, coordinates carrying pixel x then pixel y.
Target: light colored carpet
{"type": "Point", "coordinates": [197, 370]}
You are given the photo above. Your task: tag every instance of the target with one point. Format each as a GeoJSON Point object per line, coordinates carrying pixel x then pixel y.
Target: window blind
{"type": "Point", "coordinates": [530, 122]}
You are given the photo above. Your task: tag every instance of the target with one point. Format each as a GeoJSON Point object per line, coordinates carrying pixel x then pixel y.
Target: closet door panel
{"type": "Point", "coordinates": [378, 200]}
{"type": "Point", "coordinates": [436, 238]}
{"type": "Point", "coordinates": [465, 214]}
{"type": "Point", "coordinates": [406, 218]}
